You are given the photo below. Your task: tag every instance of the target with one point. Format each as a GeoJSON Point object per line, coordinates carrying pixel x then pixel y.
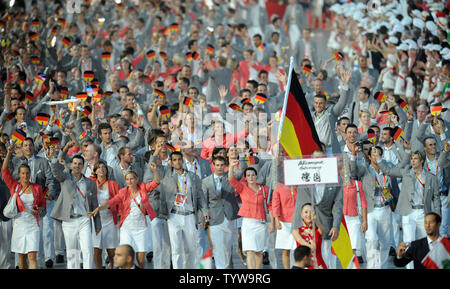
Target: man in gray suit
{"type": "Point", "coordinates": [419, 195]}
{"type": "Point", "coordinates": [126, 164]}
{"type": "Point", "coordinates": [417, 122]}
{"type": "Point", "coordinates": [305, 47]}
{"type": "Point", "coordinates": [183, 203]}
{"type": "Point", "coordinates": [328, 205]}
{"type": "Point", "coordinates": [223, 207]}
{"type": "Point", "coordinates": [217, 77]}
{"type": "Point", "coordinates": [78, 197]}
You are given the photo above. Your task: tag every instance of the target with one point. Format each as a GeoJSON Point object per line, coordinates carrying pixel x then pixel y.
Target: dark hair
{"type": "Point", "coordinates": [301, 252]}
{"type": "Point", "coordinates": [437, 218]}
{"type": "Point", "coordinates": [250, 169]}
{"type": "Point", "coordinates": [219, 158]}
{"type": "Point", "coordinates": [176, 153]}
{"type": "Point", "coordinates": [390, 129]}
{"type": "Point", "coordinates": [341, 119]}
{"type": "Point", "coordinates": [24, 166]}
{"type": "Point", "coordinates": [104, 125]}
{"type": "Point", "coordinates": [320, 95]}
{"type": "Point", "coordinates": [366, 90]}
{"type": "Point", "coordinates": [216, 150]}
{"type": "Point", "coordinates": [378, 147]}
{"type": "Point", "coordinates": [77, 157]}
{"type": "Point", "coordinates": [97, 165]}
{"type": "Point", "coordinates": [304, 205]}
{"type": "Point", "coordinates": [351, 125]}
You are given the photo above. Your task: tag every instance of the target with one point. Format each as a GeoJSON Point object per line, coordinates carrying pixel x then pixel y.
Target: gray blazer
{"type": "Point", "coordinates": [221, 203]}
{"type": "Point", "coordinates": [40, 173]}
{"type": "Point", "coordinates": [431, 194]}
{"type": "Point", "coordinates": [444, 163]}
{"type": "Point", "coordinates": [328, 211]}
{"type": "Point", "coordinates": [63, 205]}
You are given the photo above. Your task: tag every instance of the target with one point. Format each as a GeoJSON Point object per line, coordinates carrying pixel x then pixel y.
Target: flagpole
{"type": "Point", "coordinates": [283, 113]}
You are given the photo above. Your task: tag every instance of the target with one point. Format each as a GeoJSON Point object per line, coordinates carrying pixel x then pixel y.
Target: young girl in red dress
{"type": "Point", "coordinates": [305, 236]}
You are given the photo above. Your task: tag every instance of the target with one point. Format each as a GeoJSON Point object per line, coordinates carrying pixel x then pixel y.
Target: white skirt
{"type": "Point", "coordinates": [254, 234]}
{"type": "Point", "coordinates": [136, 236]}
{"type": "Point", "coordinates": [25, 236]}
{"type": "Point", "coordinates": [108, 238]}
{"type": "Point", "coordinates": [284, 239]}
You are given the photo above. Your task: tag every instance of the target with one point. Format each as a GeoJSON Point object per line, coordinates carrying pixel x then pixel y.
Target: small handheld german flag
{"type": "Point", "coordinates": [151, 55]}
{"type": "Point", "coordinates": [260, 98]}
{"type": "Point", "coordinates": [245, 100]}
{"type": "Point", "coordinates": [82, 135]}
{"type": "Point", "coordinates": [235, 107]}
{"type": "Point", "coordinates": [324, 93]}
{"type": "Point", "coordinates": [165, 112]}
{"type": "Point", "coordinates": [403, 104]}
{"type": "Point", "coordinates": [159, 94]}
{"type": "Point", "coordinates": [82, 96]}
{"type": "Point", "coordinates": [18, 136]}
{"type": "Point", "coordinates": [171, 148]}
{"type": "Point", "coordinates": [41, 78]}
{"type": "Point", "coordinates": [42, 119]}
{"type": "Point", "coordinates": [106, 56]}
{"type": "Point", "coordinates": [189, 56]}
{"type": "Point", "coordinates": [386, 112]}
{"type": "Point", "coordinates": [436, 109]}
{"type": "Point", "coordinates": [66, 42]}
{"type": "Point", "coordinates": [95, 82]}
{"type": "Point", "coordinates": [306, 70]}
{"type": "Point", "coordinates": [92, 90]}
{"type": "Point", "coordinates": [380, 96]}
{"type": "Point", "coordinates": [210, 49]}
{"type": "Point", "coordinates": [35, 60]}
{"type": "Point", "coordinates": [88, 75]}
{"type": "Point", "coordinates": [371, 135]}
{"type": "Point", "coordinates": [33, 36]}
{"type": "Point", "coordinates": [338, 56]}
{"type": "Point", "coordinates": [163, 55]}
{"type": "Point", "coordinates": [59, 123]}
{"type": "Point", "coordinates": [29, 97]}
{"type": "Point", "coordinates": [188, 101]}
{"type": "Point", "coordinates": [397, 134]}
{"type": "Point", "coordinates": [262, 46]}
{"type": "Point", "coordinates": [62, 22]}
{"type": "Point", "coordinates": [251, 160]}
{"type": "Point", "coordinates": [86, 111]}
{"type": "Point", "coordinates": [174, 27]}
{"type": "Point", "coordinates": [195, 55]}
{"type": "Point", "coordinates": [63, 92]}
{"type": "Point", "coordinates": [35, 23]}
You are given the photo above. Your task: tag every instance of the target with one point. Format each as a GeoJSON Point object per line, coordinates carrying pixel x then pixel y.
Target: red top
{"type": "Point", "coordinates": [252, 203]}
{"type": "Point", "coordinates": [113, 189]}
{"type": "Point", "coordinates": [283, 202]}
{"type": "Point", "coordinates": [350, 198]}
{"type": "Point", "coordinates": [307, 235]}
{"type": "Point", "coordinates": [123, 200]}
{"type": "Point", "coordinates": [228, 139]}
{"type": "Point", "coordinates": [39, 197]}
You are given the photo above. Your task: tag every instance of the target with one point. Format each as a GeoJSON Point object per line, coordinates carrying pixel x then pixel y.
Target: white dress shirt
{"type": "Point", "coordinates": [78, 207]}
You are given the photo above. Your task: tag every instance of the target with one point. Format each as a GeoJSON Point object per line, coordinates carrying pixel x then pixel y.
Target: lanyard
{"type": "Point", "coordinates": [185, 185]}
{"type": "Point", "coordinates": [138, 205]}
{"type": "Point", "coordinates": [101, 185]}
{"type": "Point", "coordinates": [437, 169]}
{"type": "Point", "coordinates": [23, 191]}
{"type": "Point", "coordinates": [420, 181]}
{"type": "Point", "coordinates": [384, 182]}
{"type": "Point", "coordinates": [81, 193]}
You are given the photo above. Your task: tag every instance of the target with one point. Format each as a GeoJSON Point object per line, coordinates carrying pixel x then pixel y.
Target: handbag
{"type": "Point", "coordinates": [10, 210]}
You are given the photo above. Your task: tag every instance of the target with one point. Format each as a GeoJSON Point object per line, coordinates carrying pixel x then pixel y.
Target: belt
{"type": "Point", "coordinates": [379, 205]}
{"type": "Point", "coordinates": [76, 216]}
{"type": "Point", "coordinates": [183, 213]}
{"type": "Point", "coordinates": [417, 207]}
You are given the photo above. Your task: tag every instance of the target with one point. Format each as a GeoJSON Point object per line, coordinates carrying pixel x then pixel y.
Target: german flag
{"type": "Point", "coordinates": [188, 101]}
{"type": "Point", "coordinates": [380, 96]}
{"type": "Point", "coordinates": [260, 98]}
{"type": "Point", "coordinates": [95, 82]}
{"type": "Point", "coordinates": [436, 109]}
{"type": "Point", "coordinates": [174, 27]}
{"type": "Point", "coordinates": [82, 135]}
{"type": "Point", "coordinates": [107, 94]}
{"type": "Point", "coordinates": [164, 111]}
{"type": "Point", "coordinates": [62, 22]}
{"type": "Point", "coordinates": [54, 30]}
{"type": "Point", "coordinates": [324, 93]}
{"type": "Point", "coordinates": [262, 47]}
{"type": "Point", "coordinates": [166, 31]}
{"type": "Point", "coordinates": [41, 78]}
{"type": "Point", "coordinates": [86, 111]}
{"type": "Point", "coordinates": [171, 148]}
{"type": "Point", "coordinates": [245, 100]}
{"type": "Point", "coordinates": [35, 23]}
{"type": "Point", "coordinates": [403, 104]}
{"type": "Point", "coordinates": [210, 49]}
{"type": "Point", "coordinates": [44, 137]}
{"type": "Point", "coordinates": [54, 108]}
{"type": "Point", "coordinates": [59, 123]}
{"type": "Point", "coordinates": [235, 107]}
{"type": "Point", "coordinates": [151, 55]}
{"type": "Point", "coordinates": [29, 97]}
{"type": "Point", "coordinates": [106, 56]}
{"type": "Point", "coordinates": [42, 119]}
{"type": "Point", "coordinates": [33, 35]}
{"type": "Point", "coordinates": [63, 92]}
{"type": "Point", "coordinates": [386, 112]}
{"type": "Point", "coordinates": [35, 60]}
{"type": "Point", "coordinates": [88, 75]}
{"type": "Point", "coordinates": [53, 141]}
{"type": "Point", "coordinates": [10, 116]}
{"type": "Point", "coordinates": [163, 55]}
{"type": "Point", "coordinates": [297, 132]}
{"type": "Point", "coordinates": [189, 56]}
{"type": "Point", "coordinates": [397, 134]}
{"type": "Point", "coordinates": [371, 135]}
{"type": "Point", "coordinates": [159, 94]}
{"type": "Point", "coordinates": [195, 55]}
{"type": "Point", "coordinates": [306, 70]}
{"type": "Point", "coordinates": [338, 56]}
{"type": "Point", "coordinates": [82, 96]}
{"type": "Point", "coordinates": [18, 136]}
{"type": "Point", "coordinates": [251, 160]}
{"type": "Point", "coordinates": [66, 42]}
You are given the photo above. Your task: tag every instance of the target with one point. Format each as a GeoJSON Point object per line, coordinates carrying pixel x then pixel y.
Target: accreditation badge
{"type": "Point", "coordinates": [180, 200]}
{"type": "Point", "coordinates": [387, 195]}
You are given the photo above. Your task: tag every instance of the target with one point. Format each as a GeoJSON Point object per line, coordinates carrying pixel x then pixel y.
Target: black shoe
{"type": "Point", "coordinates": [392, 252]}
{"type": "Point", "coordinates": [360, 259]}
{"type": "Point", "coordinates": [59, 259]}
{"type": "Point", "coordinates": [150, 257]}
{"type": "Point", "coordinates": [266, 258]}
{"type": "Point", "coordinates": [49, 263]}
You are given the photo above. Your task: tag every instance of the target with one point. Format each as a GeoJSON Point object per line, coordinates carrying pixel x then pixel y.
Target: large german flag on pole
{"type": "Point", "coordinates": [297, 133]}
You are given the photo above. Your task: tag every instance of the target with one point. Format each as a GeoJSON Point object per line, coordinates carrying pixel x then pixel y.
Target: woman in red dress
{"type": "Point", "coordinates": [306, 237]}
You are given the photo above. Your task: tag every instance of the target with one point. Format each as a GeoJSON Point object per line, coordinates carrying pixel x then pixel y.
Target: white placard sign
{"type": "Point", "coordinates": [313, 171]}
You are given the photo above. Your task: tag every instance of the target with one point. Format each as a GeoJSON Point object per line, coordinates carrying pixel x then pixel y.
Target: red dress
{"type": "Point", "coordinates": [316, 258]}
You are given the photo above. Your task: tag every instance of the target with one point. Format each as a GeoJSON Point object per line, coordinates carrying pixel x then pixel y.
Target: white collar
{"type": "Point", "coordinates": [430, 242]}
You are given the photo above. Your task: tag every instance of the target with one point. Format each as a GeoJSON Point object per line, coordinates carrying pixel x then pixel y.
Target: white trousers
{"type": "Point", "coordinates": [5, 244]}
{"type": "Point", "coordinates": [77, 233]}
{"type": "Point", "coordinates": [183, 241]}
{"type": "Point", "coordinates": [354, 231]}
{"type": "Point", "coordinates": [161, 244]}
{"type": "Point", "coordinates": [60, 244]}
{"type": "Point", "coordinates": [413, 228]}
{"type": "Point", "coordinates": [444, 229]}
{"type": "Point", "coordinates": [328, 257]}
{"type": "Point", "coordinates": [378, 236]}
{"type": "Point", "coordinates": [221, 237]}
{"type": "Point", "coordinates": [47, 243]}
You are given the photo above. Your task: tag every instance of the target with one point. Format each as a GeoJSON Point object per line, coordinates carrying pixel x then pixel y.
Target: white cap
{"type": "Point", "coordinates": [406, 20]}
{"type": "Point", "coordinates": [436, 47]}
{"type": "Point", "coordinates": [429, 47]}
{"type": "Point", "coordinates": [416, 13]}
{"type": "Point", "coordinates": [412, 45]}
{"type": "Point", "coordinates": [403, 46]}
{"type": "Point", "coordinates": [393, 40]}
{"type": "Point", "coordinates": [431, 26]}
{"type": "Point", "coordinates": [424, 15]}
{"type": "Point", "coordinates": [358, 16]}
{"type": "Point", "coordinates": [444, 51]}
{"type": "Point", "coordinates": [446, 56]}
{"type": "Point", "coordinates": [419, 23]}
